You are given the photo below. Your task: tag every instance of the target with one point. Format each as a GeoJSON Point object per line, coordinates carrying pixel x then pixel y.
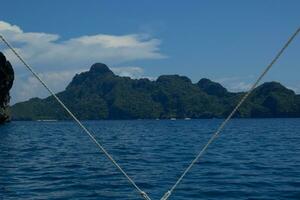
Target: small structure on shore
{"type": "Point", "coordinates": [6, 83]}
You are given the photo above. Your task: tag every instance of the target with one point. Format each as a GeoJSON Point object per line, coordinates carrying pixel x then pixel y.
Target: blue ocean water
{"type": "Point", "coordinates": [251, 159]}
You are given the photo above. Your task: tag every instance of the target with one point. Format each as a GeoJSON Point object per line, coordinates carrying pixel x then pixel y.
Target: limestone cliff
{"type": "Point", "coordinates": [6, 82]}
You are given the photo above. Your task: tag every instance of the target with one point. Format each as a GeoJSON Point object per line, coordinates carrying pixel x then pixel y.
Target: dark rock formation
{"type": "Point", "coordinates": [6, 82]}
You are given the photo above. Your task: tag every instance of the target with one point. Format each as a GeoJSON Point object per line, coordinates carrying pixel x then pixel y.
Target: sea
{"type": "Point", "coordinates": [250, 159]}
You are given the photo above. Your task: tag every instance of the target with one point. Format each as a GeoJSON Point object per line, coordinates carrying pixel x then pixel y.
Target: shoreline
{"type": "Point", "coordinates": [179, 119]}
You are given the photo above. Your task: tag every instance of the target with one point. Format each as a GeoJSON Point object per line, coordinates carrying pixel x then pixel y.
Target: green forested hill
{"type": "Point", "coordinates": [100, 94]}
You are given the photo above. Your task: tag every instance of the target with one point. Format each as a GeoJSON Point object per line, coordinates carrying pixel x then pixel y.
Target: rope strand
{"type": "Point", "coordinates": [221, 127]}
{"type": "Point", "coordinates": [142, 193]}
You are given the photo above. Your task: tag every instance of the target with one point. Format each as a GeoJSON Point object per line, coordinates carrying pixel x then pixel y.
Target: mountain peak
{"type": "Point", "coordinates": [211, 88]}
{"type": "Point", "coordinates": [273, 87]}
{"type": "Point", "coordinates": [97, 70]}
{"type": "Point", "coordinates": [100, 68]}
{"type": "Point", "coordinates": [169, 78]}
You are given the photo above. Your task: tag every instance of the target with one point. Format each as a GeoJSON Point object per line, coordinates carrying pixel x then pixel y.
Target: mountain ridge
{"type": "Point", "coordinates": [100, 94]}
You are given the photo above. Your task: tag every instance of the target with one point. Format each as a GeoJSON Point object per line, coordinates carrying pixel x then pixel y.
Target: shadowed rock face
{"type": "Point", "coordinates": [6, 82]}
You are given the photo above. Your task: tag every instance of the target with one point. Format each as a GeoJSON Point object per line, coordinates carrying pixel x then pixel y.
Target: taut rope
{"type": "Point", "coordinates": [213, 137]}
{"type": "Point", "coordinates": [142, 193]}
{"type": "Point", "coordinates": [221, 127]}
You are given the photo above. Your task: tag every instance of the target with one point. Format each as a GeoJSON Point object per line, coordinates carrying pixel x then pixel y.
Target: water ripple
{"type": "Point", "coordinates": [252, 159]}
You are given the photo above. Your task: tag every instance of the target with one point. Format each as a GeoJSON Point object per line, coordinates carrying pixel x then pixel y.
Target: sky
{"type": "Point", "coordinates": [226, 41]}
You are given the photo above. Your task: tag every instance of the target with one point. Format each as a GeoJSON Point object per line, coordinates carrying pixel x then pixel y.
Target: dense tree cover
{"type": "Point", "coordinates": [100, 94]}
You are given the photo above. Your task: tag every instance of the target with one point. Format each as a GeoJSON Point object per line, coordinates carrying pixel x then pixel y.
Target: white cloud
{"type": "Point", "coordinates": [46, 51]}
{"type": "Point", "coordinates": [295, 88]}
{"type": "Point", "coordinates": [240, 86]}
{"type": "Point", "coordinates": [236, 84]}
{"type": "Point", "coordinates": [26, 87]}
{"type": "Point", "coordinates": [9, 28]}
{"type": "Point", "coordinates": [55, 58]}
{"type": "Point", "coordinates": [132, 72]}
{"type": "Point", "coordinates": [244, 83]}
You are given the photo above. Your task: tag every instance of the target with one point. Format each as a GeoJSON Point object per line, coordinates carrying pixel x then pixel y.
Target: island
{"type": "Point", "coordinates": [100, 94]}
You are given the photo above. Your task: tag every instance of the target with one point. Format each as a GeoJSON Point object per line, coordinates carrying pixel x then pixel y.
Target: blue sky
{"type": "Point", "coordinates": [226, 41]}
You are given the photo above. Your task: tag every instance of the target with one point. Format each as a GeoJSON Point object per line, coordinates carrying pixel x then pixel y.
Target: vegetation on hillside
{"type": "Point", "coordinates": [100, 94]}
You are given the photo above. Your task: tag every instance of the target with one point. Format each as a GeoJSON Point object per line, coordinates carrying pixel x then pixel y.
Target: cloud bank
{"type": "Point", "coordinates": [237, 84]}
{"type": "Point", "coordinates": [57, 59]}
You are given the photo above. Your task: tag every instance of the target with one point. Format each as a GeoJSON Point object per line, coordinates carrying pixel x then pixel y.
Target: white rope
{"type": "Point", "coordinates": [221, 127]}
{"type": "Point", "coordinates": [142, 193]}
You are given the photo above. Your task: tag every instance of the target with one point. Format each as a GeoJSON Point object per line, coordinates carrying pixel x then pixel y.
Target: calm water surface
{"type": "Point", "coordinates": [252, 159]}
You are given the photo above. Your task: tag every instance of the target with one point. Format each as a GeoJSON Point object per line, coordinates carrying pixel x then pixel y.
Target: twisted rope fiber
{"type": "Point", "coordinates": [221, 127]}
{"type": "Point", "coordinates": [142, 193]}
